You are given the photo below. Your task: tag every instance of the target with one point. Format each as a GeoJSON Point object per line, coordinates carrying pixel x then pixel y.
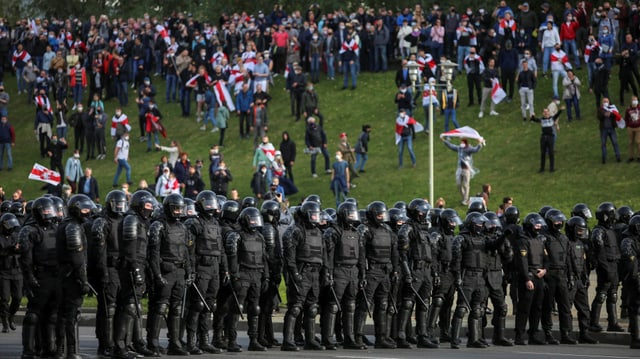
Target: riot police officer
{"type": "Point", "coordinates": [71, 244]}
{"type": "Point", "coordinates": [417, 252]}
{"type": "Point", "coordinates": [623, 215]}
{"type": "Point", "coordinates": [513, 233]}
{"type": "Point", "coordinates": [39, 263]}
{"type": "Point", "coordinates": [132, 263]}
{"type": "Point", "coordinates": [345, 264]}
{"type": "Point", "coordinates": [529, 260]}
{"type": "Point", "coordinates": [208, 261]}
{"type": "Point", "coordinates": [557, 279]}
{"type": "Point", "coordinates": [104, 232]}
{"type": "Point", "coordinates": [304, 255]}
{"type": "Point", "coordinates": [605, 255]}
{"type": "Point", "coordinates": [498, 259]}
{"type": "Point", "coordinates": [443, 294]}
{"type": "Point", "coordinates": [381, 253]}
{"type": "Point", "coordinates": [577, 232]}
{"type": "Point", "coordinates": [10, 274]}
{"type": "Point", "coordinates": [171, 267]}
{"type": "Point", "coordinates": [630, 250]}
{"type": "Point", "coordinates": [270, 211]}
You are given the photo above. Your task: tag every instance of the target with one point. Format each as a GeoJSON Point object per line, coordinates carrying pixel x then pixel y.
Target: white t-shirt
{"type": "Point", "coordinates": [123, 146]}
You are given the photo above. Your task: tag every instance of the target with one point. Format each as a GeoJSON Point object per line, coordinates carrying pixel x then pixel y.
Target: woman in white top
{"type": "Point", "coordinates": [550, 37]}
{"type": "Point", "coordinates": [174, 151]}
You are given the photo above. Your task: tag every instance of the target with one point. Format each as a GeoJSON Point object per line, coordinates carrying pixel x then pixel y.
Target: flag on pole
{"type": "Point", "coordinates": [163, 33]}
{"type": "Point", "coordinates": [42, 173]}
{"type": "Point", "coordinates": [497, 93]}
{"type": "Point", "coordinates": [463, 132]}
{"type": "Point", "coordinates": [223, 97]}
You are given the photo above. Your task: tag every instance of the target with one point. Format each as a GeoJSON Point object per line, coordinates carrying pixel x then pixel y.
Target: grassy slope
{"type": "Point", "coordinates": [509, 162]}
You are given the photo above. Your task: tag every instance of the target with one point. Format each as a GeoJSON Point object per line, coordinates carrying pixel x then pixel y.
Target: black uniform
{"type": "Point", "coordinates": [208, 262]}
{"type": "Point", "coordinates": [269, 300]}
{"type": "Point", "coordinates": [170, 266]}
{"type": "Point", "coordinates": [630, 249]}
{"type": "Point", "coordinates": [10, 273]}
{"type": "Point", "coordinates": [39, 263]}
{"type": "Point", "coordinates": [417, 252]}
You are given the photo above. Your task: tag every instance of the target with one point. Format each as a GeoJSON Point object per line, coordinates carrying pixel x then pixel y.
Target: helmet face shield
{"type": "Point", "coordinates": [314, 217]}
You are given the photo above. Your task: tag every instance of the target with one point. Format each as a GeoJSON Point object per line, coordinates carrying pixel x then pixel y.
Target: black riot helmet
{"type": "Point", "coordinates": [347, 214]}
{"type": "Point", "coordinates": [96, 211]}
{"type": "Point", "coordinates": [606, 214]}
{"type": "Point", "coordinates": [543, 210]}
{"type": "Point", "coordinates": [190, 208]}
{"type": "Point", "coordinates": [581, 210]}
{"type": "Point", "coordinates": [434, 216]}
{"type": "Point", "coordinates": [173, 206]}
{"type": "Point", "coordinates": [397, 217]}
{"type": "Point", "coordinates": [325, 220]}
{"type": "Point", "coordinates": [493, 223]}
{"type": "Point", "coordinates": [377, 213]}
{"type": "Point", "coordinates": [313, 198]}
{"type": "Point", "coordinates": [401, 205]}
{"type": "Point", "coordinates": [352, 200]}
{"type": "Point", "coordinates": [60, 207]}
{"type": "Point", "coordinates": [18, 208]}
{"type": "Point", "coordinates": [555, 220]}
{"type": "Point", "coordinates": [230, 211]}
{"type": "Point", "coordinates": [249, 201]}
{"type": "Point", "coordinates": [576, 229]}
{"type": "Point", "coordinates": [250, 219]}
{"type": "Point", "coordinates": [418, 210]}
{"type": "Point", "coordinates": [80, 206]}
{"type": "Point", "coordinates": [624, 214]}
{"type": "Point", "coordinates": [43, 211]}
{"type": "Point", "coordinates": [449, 220]}
{"type": "Point", "coordinates": [142, 202]}
{"type": "Point", "coordinates": [116, 202]}
{"type": "Point", "coordinates": [9, 223]}
{"type": "Point", "coordinates": [270, 211]}
{"type": "Point", "coordinates": [534, 224]}
{"type": "Point", "coordinates": [5, 207]}
{"type": "Point", "coordinates": [221, 200]}
{"type": "Point", "coordinates": [475, 222]}
{"type": "Point", "coordinates": [332, 213]}
{"type": "Point", "coordinates": [27, 208]}
{"type": "Point", "coordinates": [207, 203]}
{"type": "Point", "coordinates": [634, 225]}
{"type": "Point", "coordinates": [363, 216]}
{"type": "Point", "coordinates": [310, 213]}
{"type": "Point", "coordinates": [477, 206]}
{"type": "Point", "coordinates": [512, 215]}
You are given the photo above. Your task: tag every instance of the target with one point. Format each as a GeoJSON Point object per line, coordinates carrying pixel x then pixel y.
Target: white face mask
{"type": "Point", "coordinates": [338, 158]}
{"type": "Point", "coordinates": [634, 103]}
{"type": "Point", "coordinates": [118, 114]}
{"type": "Point", "coordinates": [403, 90]}
{"type": "Point", "coordinates": [605, 104]}
{"type": "Point", "coordinates": [126, 138]}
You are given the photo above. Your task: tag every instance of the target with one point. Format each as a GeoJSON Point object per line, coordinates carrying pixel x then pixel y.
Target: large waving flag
{"type": "Point", "coordinates": [223, 96]}
{"type": "Point", "coordinates": [463, 132]}
{"type": "Point", "coordinates": [616, 115]}
{"type": "Point", "coordinates": [497, 93]}
{"type": "Point", "coordinates": [401, 124]}
{"type": "Point", "coordinates": [42, 173]}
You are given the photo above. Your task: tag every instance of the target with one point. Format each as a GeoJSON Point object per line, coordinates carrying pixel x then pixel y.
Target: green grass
{"type": "Point", "coordinates": [509, 162]}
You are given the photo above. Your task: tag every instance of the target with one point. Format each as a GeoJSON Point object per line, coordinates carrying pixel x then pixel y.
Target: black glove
{"type": "Point", "coordinates": [85, 289]}
{"type": "Point", "coordinates": [226, 279]}
{"type": "Point", "coordinates": [297, 278]}
{"type": "Point", "coordinates": [138, 277]}
{"type": "Point", "coordinates": [160, 281]}
{"type": "Point", "coordinates": [395, 277]}
{"type": "Point", "coordinates": [362, 284]}
{"type": "Point", "coordinates": [408, 279]}
{"type": "Point", "coordinates": [265, 285]}
{"type": "Point", "coordinates": [189, 279]}
{"type": "Point", "coordinates": [436, 281]}
{"type": "Point", "coordinates": [458, 282]}
{"type": "Point", "coordinates": [328, 280]}
{"type": "Point", "coordinates": [33, 284]}
{"type": "Point", "coordinates": [571, 282]}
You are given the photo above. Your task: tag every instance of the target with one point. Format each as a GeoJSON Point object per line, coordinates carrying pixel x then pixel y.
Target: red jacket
{"type": "Point", "coordinates": [568, 31]}
{"type": "Point", "coordinates": [72, 77]}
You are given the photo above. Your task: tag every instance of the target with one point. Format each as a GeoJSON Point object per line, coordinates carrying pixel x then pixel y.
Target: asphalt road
{"type": "Point", "coordinates": [11, 348]}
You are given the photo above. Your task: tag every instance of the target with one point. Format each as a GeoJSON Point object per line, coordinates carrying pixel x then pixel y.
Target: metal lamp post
{"type": "Point", "coordinates": [414, 74]}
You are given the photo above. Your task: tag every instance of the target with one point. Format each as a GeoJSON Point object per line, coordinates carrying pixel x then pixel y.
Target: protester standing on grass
{"type": "Point", "coordinates": [121, 158]}
{"type": "Point", "coordinates": [607, 116]}
{"type": "Point", "coordinates": [465, 170]}
{"type": "Point", "coordinates": [632, 119]}
{"type": "Point", "coordinates": [362, 148]}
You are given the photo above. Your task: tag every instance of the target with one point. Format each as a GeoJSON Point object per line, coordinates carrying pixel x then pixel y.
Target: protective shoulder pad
{"type": "Point", "coordinates": [130, 228]}
{"type": "Point", "coordinates": [155, 232]}
{"type": "Point", "coordinates": [73, 234]}
{"type": "Point", "coordinates": [231, 242]}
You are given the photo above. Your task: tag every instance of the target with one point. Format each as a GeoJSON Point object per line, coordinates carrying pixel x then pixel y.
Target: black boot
{"type": "Point", "coordinates": [218, 340]}
{"type": "Point", "coordinates": [584, 337]}
{"type": "Point", "coordinates": [549, 338]}
{"type": "Point", "coordinates": [380, 326]}
{"type": "Point", "coordinates": [254, 345]}
{"type": "Point", "coordinates": [434, 314]}
{"type": "Point", "coordinates": [310, 342]}
{"type": "Point", "coordinates": [192, 345]}
{"type": "Point", "coordinates": [612, 318]}
{"type": "Point", "coordinates": [175, 347]}
{"type": "Point", "coordinates": [421, 328]}
{"type": "Point", "coordinates": [12, 323]}
{"type": "Point", "coordinates": [350, 341]}
{"type": "Point", "coordinates": [29, 329]}
{"type": "Point", "coordinates": [232, 334]}
{"type": "Point", "coordinates": [403, 318]}
{"type": "Point", "coordinates": [206, 346]}
{"type": "Point", "coordinates": [634, 326]}
{"type": "Point", "coordinates": [498, 333]}
{"type": "Point", "coordinates": [520, 339]}
{"type": "Point", "coordinates": [474, 334]}
{"type": "Point", "coordinates": [288, 342]}
{"type": "Point", "coordinates": [594, 324]}
{"type": "Point", "coordinates": [328, 324]}
{"type": "Point", "coordinates": [72, 340]}
{"type": "Point", "coordinates": [359, 320]}
{"type": "Point", "coordinates": [456, 326]}
{"type": "Point", "coordinates": [121, 326]}
{"type": "Point", "coordinates": [153, 334]}
{"type": "Point", "coordinates": [565, 338]}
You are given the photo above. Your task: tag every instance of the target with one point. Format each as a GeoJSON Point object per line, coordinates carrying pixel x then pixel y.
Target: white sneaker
{"type": "Point", "coordinates": [203, 128]}
{"type": "Point", "coordinates": [527, 107]}
{"type": "Point", "coordinates": [493, 113]}
{"type": "Point", "coordinates": [314, 175]}
{"type": "Point", "coordinates": [215, 129]}
{"type": "Point", "coordinates": [198, 119]}
{"type": "Point", "coordinates": [480, 115]}
{"type": "Point", "coordinates": [73, 108]}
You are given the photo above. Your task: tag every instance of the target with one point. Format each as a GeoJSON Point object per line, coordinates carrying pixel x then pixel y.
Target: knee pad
{"type": "Point", "coordinates": [504, 309]}
{"type": "Point", "coordinates": [295, 310]}
{"type": "Point", "coordinates": [438, 302]}
{"type": "Point", "coordinates": [407, 304]}
{"type": "Point", "coordinates": [383, 305]}
{"type": "Point", "coordinates": [476, 312]}
{"type": "Point", "coordinates": [601, 297]}
{"type": "Point", "coordinates": [31, 318]}
{"type": "Point", "coordinates": [253, 310]}
{"type": "Point", "coordinates": [161, 309]}
{"type": "Point", "coordinates": [312, 310]}
{"type": "Point", "coordinates": [460, 312]}
{"type": "Point", "coordinates": [130, 309]}
{"type": "Point", "coordinates": [350, 306]}
{"type": "Point", "coordinates": [111, 311]}
{"type": "Point", "coordinates": [197, 306]}
{"type": "Point", "coordinates": [613, 298]}
{"type": "Point", "coordinates": [213, 306]}
{"type": "Point", "coordinates": [332, 308]}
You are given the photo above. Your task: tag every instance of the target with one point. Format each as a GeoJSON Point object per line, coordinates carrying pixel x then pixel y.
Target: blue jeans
{"type": "Point", "coordinates": [611, 134]}
{"type": "Point", "coordinates": [450, 113]}
{"type": "Point", "coordinates": [314, 157]}
{"type": "Point", "coordinates": [437, 50]}
{"type": "Point", "coordinates": [331, 70]}
{"type": "Point", "coordinates": [210, 116]}
{"type": "Point", "coordinates": [155, 139]}
{"type": "Point", "coordinates": [347, 69]}
{"type": "Point", "coordinates": [571, 48]}
{"type": "Point", "coordinates": [381, 57]}
{"type": "Point", "coordinates": [6, 147]}
{"type": "Point", "coordinates": [134, 66]}
{"type": "Point", "coordinates": [555, 74]}
{"type": "Point", "coordinates": [185, 101]}
{"type": "Point", "coordinates": [22, 86]}
{"type": "Point", "coordinates": [158, 61]}
{"type": "Point", "coordinates": [591, 67]}
{"type": "Point", "coordinates": [77, 94]}
{"type": "Point", "coordinates": [463, 52]}
{"type": "Point", "coordinates": [572, 102]}
{"type": "Point", "coordinates": [122, 164]}
{"type": "Point", "coordinates": [546, 57]}
{"type": "Point", "coordinates": [123, 93]}
{"type": "Point", "coordinates": [361, 160]}
{"type": "Point", "coordinates": [408, 141]}
{"type": "Point", "coordinates": [170, 94]}
{"type": "Point", "coordinates": [315, 67]}
{"type": "Point", "coordinates": [61, 132]}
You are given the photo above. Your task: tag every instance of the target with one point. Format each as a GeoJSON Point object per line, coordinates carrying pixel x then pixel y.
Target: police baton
{"type": "Point", "coordinates": [335, 297]}
{"type": "Point", "coordinates": [366, 302]}
{"type": "Point", "coordinates": [94, 292]}
{"type": "Point", "coordinates": [464, 298]}
{"type": "Point", "coordinates": [235, 299]}
{"type": "Point", "coordinates": [206, 306]}
{"type": "Point", "coordinates": [136, 302]}
{"type": "Point", "coordinates": [184, 302]}
{"type": "Point", "coordinates": [415, 292]}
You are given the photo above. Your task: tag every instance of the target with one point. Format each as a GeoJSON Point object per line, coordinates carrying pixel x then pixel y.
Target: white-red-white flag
{"type": "Point", "coordinates": [42, 173]}
{"type": "Point", "coordinates": [463, 132]}
{"type": "Point", "coordinates": [223, 96]}
{"type": "Point", "coordinates": [497, 93]}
